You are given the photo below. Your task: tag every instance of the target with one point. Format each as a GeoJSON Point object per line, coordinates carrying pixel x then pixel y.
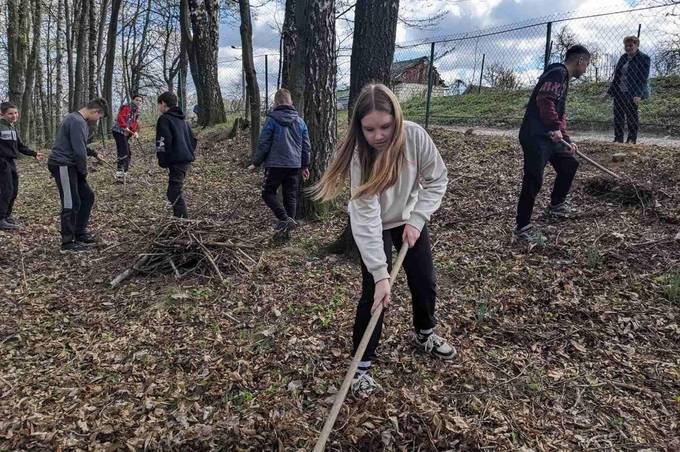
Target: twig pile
{"type": "Point", "coordinates": [199, 246]}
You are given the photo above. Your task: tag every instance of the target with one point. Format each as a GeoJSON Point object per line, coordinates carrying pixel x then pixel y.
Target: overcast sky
{"type": "Point", "coordinates": [522, 49]}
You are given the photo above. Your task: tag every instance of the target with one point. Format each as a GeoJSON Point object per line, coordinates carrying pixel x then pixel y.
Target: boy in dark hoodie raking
{"type": "Point", "coordinates": [542, 134]}
{"type": "Point", "coordinates": [283, 149]}
{"type": "Point", "coordinates": [175, 147]}
{"type": "Point", "coordinates": [68, 165]}
{"type": "Point", "coordinates": [10, 148]}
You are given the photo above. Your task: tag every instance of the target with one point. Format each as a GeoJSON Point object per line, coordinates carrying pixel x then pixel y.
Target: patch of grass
{"type": "Point", "coordinates": [481, 311]}
{"type": "Point", "coordinates": [498, 108]}
{"type": "Point", "coordinates": [593, 258]}
{"type": "Point", "coordinates": [328, 310]}
{"type": "Point", "coordinates": [671, 288]}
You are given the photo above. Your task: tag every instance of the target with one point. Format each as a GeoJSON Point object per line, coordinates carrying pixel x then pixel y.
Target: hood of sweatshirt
{"type": "Point", "coordinates": [176, 112]}
{"type": "Point", "coordinates": [285, 115]}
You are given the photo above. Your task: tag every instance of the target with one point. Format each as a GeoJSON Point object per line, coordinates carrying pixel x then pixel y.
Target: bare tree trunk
{"type": "Point", "coordinates": [91, 48]}
{"type": "Point", "coordinates": [17, 48]}
{"type": "Point", "coordinates": [375, 30]}
{"type": "Point", "coordinates": [320, 85]}
{"type": "Point", "coordinates": [110, 59]}
{"type": "Point", "coordinates": [79, 87]}
{"type": "Point", "coordinates": [251, 76]}
{"type": "Point", "coordinates": [43, 130]}
{"type": "Point", "coordinates": [295, 37]}
{"type": "Point", "coordinates": [69, 36]}
{"type": "Point", "coordinates": [27, 104]}
{"type": "Point", "coordinates": [202, 37]}
{"type": "Point", "coordinates": [103, 14]}
{"type": "Point", "coordinates": [59, 90]}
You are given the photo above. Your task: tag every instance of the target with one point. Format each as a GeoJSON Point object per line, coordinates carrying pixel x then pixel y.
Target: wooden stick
{"type": "Point", "coordinates": [593, 162]}
{"type": "Point", "coordinates": [342, 393]}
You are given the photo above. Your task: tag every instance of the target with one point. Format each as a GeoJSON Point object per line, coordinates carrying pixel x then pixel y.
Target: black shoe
{"type": "Point", "coordinates": [12, 220]}
{"type": "Point", "coordinates": [618, 140]}
{"type": "Point", "coordinates": [73, 247]}
{"type": "Point", "coordinates": [8, 226]}
{"type": "Point", "coordinates": [631, 141]}
{"type": "Point", "coordinates": [87, 239]}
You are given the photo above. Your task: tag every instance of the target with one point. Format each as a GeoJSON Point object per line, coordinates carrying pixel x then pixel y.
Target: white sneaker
{"type": "Point", "coordinates": [363, 386]}
{"type": "Point", "coordinates": [435, 346]}
{"type": "Point", "coordinates": [119, 175]}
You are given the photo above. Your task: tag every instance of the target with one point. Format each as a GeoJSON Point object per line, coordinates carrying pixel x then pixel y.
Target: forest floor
{"type": "Point", "coordinates": [570, 345]}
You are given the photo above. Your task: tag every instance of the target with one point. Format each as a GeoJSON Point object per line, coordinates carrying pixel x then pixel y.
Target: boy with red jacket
{"type": "Point", "coordinates": [126, 126]}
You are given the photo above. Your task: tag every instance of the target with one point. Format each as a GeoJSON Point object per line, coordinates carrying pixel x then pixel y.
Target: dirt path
{"type": "Point", "coordinates": [603, 137]}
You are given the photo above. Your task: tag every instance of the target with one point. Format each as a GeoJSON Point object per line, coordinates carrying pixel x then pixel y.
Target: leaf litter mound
{"type": "Point", "coordinates": [573, 345]}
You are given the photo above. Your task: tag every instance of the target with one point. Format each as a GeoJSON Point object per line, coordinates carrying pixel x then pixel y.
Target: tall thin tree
{"type": "Point", "coordinates": [249, 69]}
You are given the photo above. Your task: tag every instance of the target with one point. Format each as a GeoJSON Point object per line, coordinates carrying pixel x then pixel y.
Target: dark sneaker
{"type": "Point", "coordinates": [87, 239]}
{"type": "Point", "coordinates": [7, 226]}
{"type": "Point", "coordinates": [286, 225]}
{"type": "Point", "coordinates": [291, 224]}
{"type": "Point", "coordinates": [363, 386]}
{"type": "Point", "coordinates": [435, 346]}
{"type": "Point", "coordinates": [528, 234]}
{"type": "Point", "coordinates": [12, 220]}
{"type": "Point", "coordinates": [73, 247]}
{"type": "Point", "coordinates": [618, 141]}
{"type": "Point", "coordinates": [561, 210]}
{"type": "Point", "coordinates": [631, 141]}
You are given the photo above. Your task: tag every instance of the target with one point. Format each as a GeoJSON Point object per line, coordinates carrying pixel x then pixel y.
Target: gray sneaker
{"type": "Point", "coordinates": [7, 226]}
{"type": "Point", "coordinates": [435, 346]}
{"type": "Point", "coordinates": [363, 386]}
{"type": "Point", "coordinates": [529, 234]}
{"type": "Point", "coordinates": [562, 210]}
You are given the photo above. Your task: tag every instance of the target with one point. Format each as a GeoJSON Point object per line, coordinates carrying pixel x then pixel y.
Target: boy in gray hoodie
{"type": "Point", "coordinates": [283, 149]}
{"type": "Point", "coordinates": [68, 165]}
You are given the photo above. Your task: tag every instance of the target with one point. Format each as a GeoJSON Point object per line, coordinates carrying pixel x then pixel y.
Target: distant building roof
{"type": "Point", "coordinates": [398, 67]}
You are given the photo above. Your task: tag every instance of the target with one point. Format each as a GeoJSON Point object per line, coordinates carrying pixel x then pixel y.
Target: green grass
{"type": "Point", "coordinates": [495, 108]}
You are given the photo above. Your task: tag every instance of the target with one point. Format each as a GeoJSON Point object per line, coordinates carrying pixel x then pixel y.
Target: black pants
{"type": "Point", "coordinates": [123, 150]}
{"type": "Point", "coordinates": [538, 152]}
{"type": "Point", "coordinates": [288, 178]}
{"type": "Point", "coordinates": [625, 110]}
{"type": "Point", "coordinates": [77, 199]}
{"type": "Point", "coordinates": [9, 186]}
{"type": "Point", "coordinates": [421, 282]}
{"type": "Point", "coordinates": [176, 175]}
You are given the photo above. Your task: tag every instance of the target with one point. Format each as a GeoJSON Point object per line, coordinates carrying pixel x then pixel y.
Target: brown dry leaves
{"type": "Point", "coordinates": [572, 346]}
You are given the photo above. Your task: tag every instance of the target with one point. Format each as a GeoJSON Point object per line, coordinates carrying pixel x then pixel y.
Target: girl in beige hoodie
{"type": "Point", "coordinates": [398, 180]}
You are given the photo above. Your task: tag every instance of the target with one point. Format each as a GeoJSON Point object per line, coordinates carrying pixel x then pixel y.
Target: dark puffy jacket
{"type": "Point", "coordinates": [636, 78]}
{"type": "Point", "coordinates": [175, 142]}
{"type": "Point", "coordinates": [284, 140]}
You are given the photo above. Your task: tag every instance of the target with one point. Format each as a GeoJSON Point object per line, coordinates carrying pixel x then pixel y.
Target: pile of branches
{"type": "Point", "coordinates": [197, 246]}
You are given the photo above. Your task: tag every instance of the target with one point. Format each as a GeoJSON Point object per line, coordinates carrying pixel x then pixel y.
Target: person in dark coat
{"type": "Point", "coordinates": [175, 148]}
{"type": "Point", "coordinates": [283, 149]}
{"type": "Point", "coordinates": [544, 139]}
{"type": "Point", "coordinates": [628, 88]}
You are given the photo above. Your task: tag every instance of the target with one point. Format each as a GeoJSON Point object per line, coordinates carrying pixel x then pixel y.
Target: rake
{"type": "Point", "coordinates": [342, 393]}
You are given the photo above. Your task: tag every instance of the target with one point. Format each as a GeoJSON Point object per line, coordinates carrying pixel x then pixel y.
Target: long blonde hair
{"type": "Point", "coordinates": [379, 170]}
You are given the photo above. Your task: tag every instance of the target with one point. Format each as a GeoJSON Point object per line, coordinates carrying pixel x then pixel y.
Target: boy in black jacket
{"type": "Point", "coordinates": [10, 147]}
{"type": "Point", "coordinates": [175, 146]}
{"type": "Point", "coordinates": [542, 134]}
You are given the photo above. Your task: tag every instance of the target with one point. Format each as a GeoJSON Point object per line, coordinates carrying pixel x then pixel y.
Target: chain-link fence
{"type": "Point", "coordinates": [233, 83]}
{"type": "Point", "coordinates": [484, 78]}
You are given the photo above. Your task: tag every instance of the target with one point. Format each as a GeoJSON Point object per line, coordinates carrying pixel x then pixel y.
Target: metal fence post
{"type": "Point", "coordinates": [481, 74]}
{"type": "Point", "coordinates": [266, 83]}
{"type": "Point", "coordinates": [639, 30]}
{"type": "Point", "coordinates": [429, 87]}
{"type": "Point", "coordinates": [548, 37]}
